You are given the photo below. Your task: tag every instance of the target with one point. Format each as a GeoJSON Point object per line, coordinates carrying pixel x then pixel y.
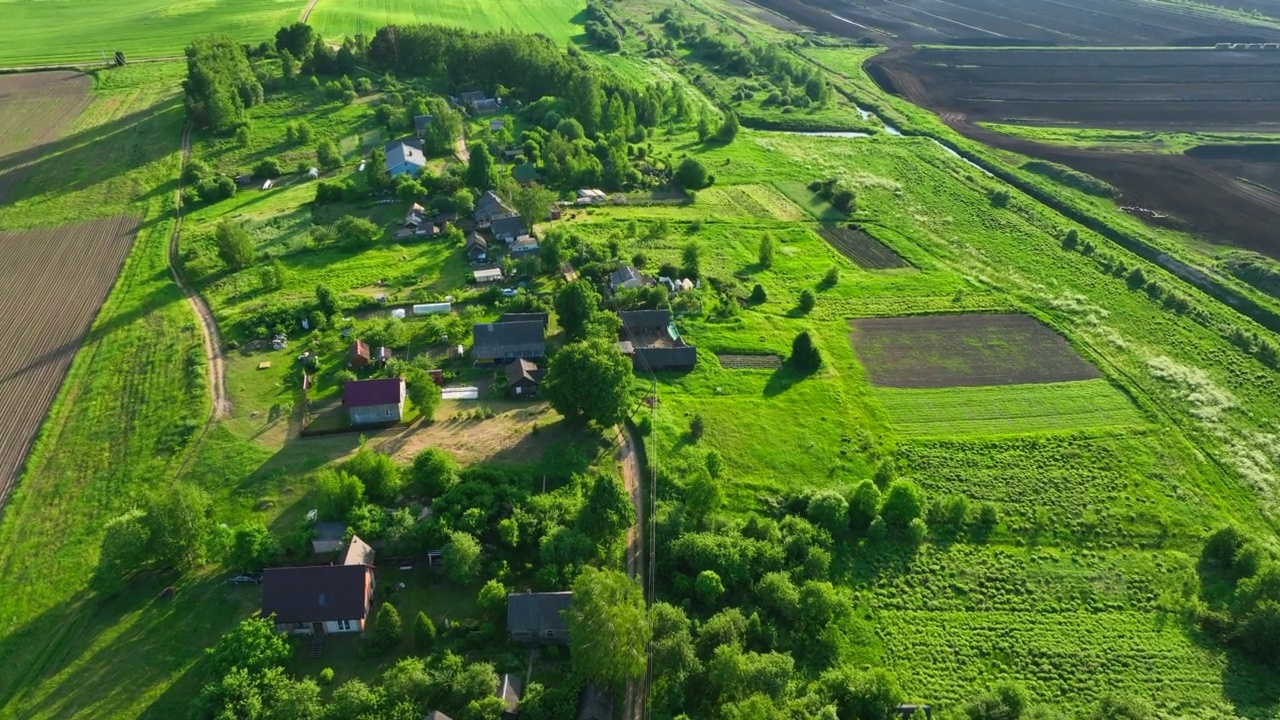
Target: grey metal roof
{"type": "Point", "coordinates": [404, 153]}
{"type": "Point", "coordinates": [665, 358]}
{"type": "Point", "coordinates": [508, 340]}
{"type": "Point", "coordinates": [420, 121]}
{"type": "Point", "coordinates": [537, 612]}
{"type": "Point", "coordinates": [512, 225]}
{"type": "Point", "coordinates": [541, 317]}
{"type": "Point", "coordinates": [645, 319]}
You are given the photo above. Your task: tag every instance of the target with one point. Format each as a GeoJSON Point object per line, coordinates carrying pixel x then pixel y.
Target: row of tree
{"type": "Point", "coordinates": [220, 86]}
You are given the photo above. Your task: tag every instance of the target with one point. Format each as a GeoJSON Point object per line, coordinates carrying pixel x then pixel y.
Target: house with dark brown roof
{"type": "Point", "coordinates": [544, 318]}
{"type": "Point", "coordinates": [477, 248]}
{"type": "Point", "coordinates": [358, 355]}
{"type": "Point", "coordinates": [538, 617]}
{"type": "Point", "coordinates": [490, 206]}
{"type": "Point", "coordinates": [373, 402]}
{"type": "Point", "coordinates": [504, 341]}
{"type": "Point", "coordinates": [318, 599]}
{"type": "Point", "coordinates": [358, 552]}
{"type": "Point", "coordinates": [523, 378]}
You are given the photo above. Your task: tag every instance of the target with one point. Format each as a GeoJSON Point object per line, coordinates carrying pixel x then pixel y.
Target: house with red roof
{"type": "Point", "coordinates": [374, 402]}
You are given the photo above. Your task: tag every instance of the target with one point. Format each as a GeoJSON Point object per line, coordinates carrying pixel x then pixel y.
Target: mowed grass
{"type": "Point", "coordinates": [559, 20]}
{"type": "Point", "coordinates": [1007, 409]}
{"type": "Point", "coordinates": [44, 32]}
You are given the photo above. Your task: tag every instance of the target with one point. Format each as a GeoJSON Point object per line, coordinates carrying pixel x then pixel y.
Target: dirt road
{"type": "Point", "coordinates": [208, 326]}
{"type": "Point", "coordinates": [630, 462]}
{"type": "Point", "coordinates": [306, 11]}
{"type": "Point", "coordinates": [460, 148]}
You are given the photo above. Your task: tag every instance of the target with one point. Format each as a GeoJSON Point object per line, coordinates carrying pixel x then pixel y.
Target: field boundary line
{"type": "Point", "coordinates": [204, 317]}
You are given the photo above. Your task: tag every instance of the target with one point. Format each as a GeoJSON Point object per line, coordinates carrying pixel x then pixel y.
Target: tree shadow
{"type": "Point", "coordinates": [783, 379]}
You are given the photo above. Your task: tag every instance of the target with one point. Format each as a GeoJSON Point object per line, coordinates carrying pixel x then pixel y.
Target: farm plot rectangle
{"type": "Point", "coordinates": [557, 19]}
{"type": "Point", "coordinates": [43, 329]}
{"type": "Point", "coordinates": [1047, 22]}
{"type": "Point", "coordinates": [749, 362]}
{"type": "Point", "coordinates": [1008, 409]}
{"type": "Point", "coordinates": [1198, 89]}
{"type": "Point", "coordinates": [863, 250]}
{"type": "Point", "coordinates": [37, 107]}
{"type": "Point", "coordinates": [964, 350]}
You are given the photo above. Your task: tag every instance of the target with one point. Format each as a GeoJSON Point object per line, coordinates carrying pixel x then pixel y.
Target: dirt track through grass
{"type": "Point", "coordinates": [42, 330]}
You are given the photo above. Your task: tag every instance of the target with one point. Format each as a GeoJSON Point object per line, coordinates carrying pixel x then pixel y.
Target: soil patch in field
{"type": "Point", "coordinates": [37, 108]}
{"type": "Point", "coordinates": [865, 251]}
{"type": "Point", "coordinates": [964, 350]}
{"type": "Point", "coordinates": [749, 362]}
{"type": "Point", "coordinates": [42, 330]}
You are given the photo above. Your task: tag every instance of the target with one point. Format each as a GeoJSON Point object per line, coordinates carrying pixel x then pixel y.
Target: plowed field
{"type": "Point", "coordinates": [35, 108]}
{"type": "Point", "coordinates": [865, 251]}
{"type": "Point", "coordinates": [51, 284]}
{"type": "Point", "coordinates": [1046, 22]}
{"type": "Point", "coordinates": [936, 351]}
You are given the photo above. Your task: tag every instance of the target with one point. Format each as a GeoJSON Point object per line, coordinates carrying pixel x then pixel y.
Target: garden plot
{"type": "Point", "coordinates": [865, 251]}
{"type": "Point", "coordinates": [964, 350]}
{"type": "Point", "coordinates": [37, 108]}
{"type": "Point", "coordinates": [749, 362]}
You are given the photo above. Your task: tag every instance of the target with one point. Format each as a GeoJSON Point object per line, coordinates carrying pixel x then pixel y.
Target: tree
{"type": "Point", "coordinates": [326, 301]}
{"type": "Point", "coordinates": [864, 505]}
{"type": "Point", "coordinates": [608, 511]}
{"type": "Point", "coordinates": [691, 254]}
{"type": "Point", "coordinates": [758, 295]}
{"type": "Point", "coordinates": [379, 473]}
{"type": "Point", "coordinates": [462, 557]}
{"type": "Point", "coordinates": [902, 503]}
{"type": "Point", "coordinates": [807, 300]}
{"type": "Point", "coordinates": [492, 599]}
{"type": "Point", "coordinates": [376, 169]}
{"type": "Point", "coordinates": [234, 246]}
{"type": "Point", "coordinates": [702, 498]}
{"type": "Point", "coordinates": [295, 39]}
{"type": "Point", "coordinates": [729, 128]}
{"type": "Point", "coordinates": [828, 510]}
{"type": "Point", "coordinates": [533, 202]}
{"type": "Point", "coordinates": [124, 547]}
{"type": "Point", "coordinates": [328, 156]}
{"type": "Point", "coordinates": [692, 175]}
{"type": "Point", "coordinates": [424, 633]}
{"type": "Point", "coordinates": [356, 232]}
{"type": "Point", "coordinates": [574, 305]}
{"type": "Point", "coordinates": [1121, 707]}
{"type": "Point", "coordinates": [423, 392]}
{"type": "Point", "coordinates": [608, 629]}
{"type": "Point", "coordinates": [267, 168]}
{"type": "Point", "coordinates": [778, 594]}
{"type": "Point", "coordinates": [220, 84]}
{"type": "Point", "coordinates": [273, 276]}
{"type": "Point", "coordinates": [862, 695]}
{"type": "Point", "coordinates": [253, 547]}
{"type": "Point", "coordinates": [254, 645]}
{"type": "Point", "coordinates": [766, 251]}
{"type": "Point", "coordinates": [832, 277]}
{"type": "Point", "coordinates": [804, 354]}
{"type": "Point", "coordinates": [589, 382]}
{"type": "Point", "coordinates": [178, 522]}
{"type": "Point", "coordinates": [288, 66]}
{"type": "Point", "coordinates": [337, 493]}
{"type": "Point", "coordinates": [482, 174]}
{"type": "Point", "coordinates": [1005, 701]}
{"type": "Point", "coordinates": [388, 631]}
{"type": "Point", "coordinates": [708, 587]}
{"type": "Point", "coordinates": [433, 472]}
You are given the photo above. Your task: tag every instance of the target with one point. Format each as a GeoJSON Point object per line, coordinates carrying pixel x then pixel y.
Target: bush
{"type": "Point", "coordinates": [758, 295]}
{"type": "Point", "coordinates": [807, 300]}
{"type": "Point", "coordinates": [268, 168]}
{"type": "Point", "coordinates": [999, 198]}
{"type": "Point", "coordinates": [388, 631]}
{"type": "Point", "coordinates": [692, 175]}
{"type": "Point", "coordinates": [804, 354]}
{"type": "Point", "coordinates": [902, 503]}
{"type": "Point", "coordinates": [696, 428]}
{"type": "Point", "coordinates": [424, 633]}
{"type": "Point", "coordinates": [832, 277]}
{"type": "Point", "coordinates": [708, 587]}
{"type": "Point", "coordinates": [326, 676]}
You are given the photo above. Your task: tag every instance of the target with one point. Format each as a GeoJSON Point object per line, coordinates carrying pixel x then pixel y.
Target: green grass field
{"type": "Point", "coordinates": [1007, 409]}
{"type": "Point", "coordinates": [45, 32]}
{"type": "Point", "coordinates": [557, 19]}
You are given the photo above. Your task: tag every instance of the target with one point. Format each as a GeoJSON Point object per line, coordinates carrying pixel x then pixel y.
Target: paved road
{"type": "Point", "coordinates": [204, 317]}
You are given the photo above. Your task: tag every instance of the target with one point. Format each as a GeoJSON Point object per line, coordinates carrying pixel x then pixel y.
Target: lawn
{"type": "Point", "coordinates": [559, 20]}
{"type": "Point", "coordinates": [44, 32]}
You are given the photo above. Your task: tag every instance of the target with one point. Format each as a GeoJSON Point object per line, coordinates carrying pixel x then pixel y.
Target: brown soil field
{"type": "Point", "coordinates": [749, 362]}
{"type": "Point", "coordinates": [1153, 89]}
{"type": "Point", "coordinates": [1024, 22]}
{"type": "Point", "coordinates": [863, 250]}
{"type": "Point", "coordinates": [964, 350]}
{"type": "Point", "coordinates": [49, 296]}
{"type": "Point", "coordinates": [35, 109]}
{"type": "Point", "coordinates": [1221, 195]}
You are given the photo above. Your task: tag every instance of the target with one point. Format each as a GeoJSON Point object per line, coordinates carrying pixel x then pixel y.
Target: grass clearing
{"type": "Point", "coordinates": [559, 20]}
{"type": "Point", "coordinates": [1008, 409]}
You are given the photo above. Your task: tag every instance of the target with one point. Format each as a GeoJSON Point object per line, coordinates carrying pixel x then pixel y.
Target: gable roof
{"type": "Point", "coordinates": [525, 371]}
{"type": "Point", "coordinates": [490, 205]}
{"type": "Point", "coordinates": [665, 358]}
{"type": "Point", "coordinates": [476, 240]}
{"type": "Point", "coordinates": [363, 393]}
{"type": "Point", "coordinates": [525, 172]}
{"type": "Point", "coordinates": [624, 274]}
{"type": "Point", "coordinates": [645, 319]}
{"type": "Point", "coordinates": [497, 340]}
{"type": "Point", "coordinates": [544, 318]}
{"type": "Point", "coordinates": [436, 715]}
{"type": "Point", "coordinates": [316, 593]}
{"type": "Point", "coordinates": [509, 691]}
{"type": "Point", "coordinates": [474, 96]}
{"type": "Point", "coordinates": [358, 552]}
{"type": "Point", "coordinates": [404, 153]}
{"type": "Point", "coordinates": [512, 225]}
{"type": "Point", "coordinates": [487, 105]}
{"type": "Point", "coordinates": [358, 349]}
{"type": "Point", "coordinates": [536, 612]}
{"type": "Point", "coordinates": [410, 140]}
{"type": "Point", "coordinates": [420, 122]}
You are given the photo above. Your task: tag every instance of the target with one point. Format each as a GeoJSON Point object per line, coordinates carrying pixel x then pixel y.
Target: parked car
{"type": "Point", "coordinates": [247, 579]}
{"type": "Point", "coordinates": [509, 292]}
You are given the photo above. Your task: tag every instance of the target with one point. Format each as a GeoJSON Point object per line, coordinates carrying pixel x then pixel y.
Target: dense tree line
{"type": "Point", "coordinates": [221, 85]}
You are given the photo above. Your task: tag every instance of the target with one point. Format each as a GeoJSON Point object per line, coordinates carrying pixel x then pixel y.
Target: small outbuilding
{"type": "Point", "coordinates": [374, 402]}
{"type": "Point", "coordinates": [523, 378]}
{"type": "Point", "coordinates": [510, 689]}
{"type": "Point", "coordinates": [358, 355]}
{"type": "Point", "coordinates": [383, 354]}
{"type": "Point", "coordinates": [477, 248]}
{"type": "Point", "coordinates": [487, 275]}
{"type": "Point", "coordinates": [627, 277]}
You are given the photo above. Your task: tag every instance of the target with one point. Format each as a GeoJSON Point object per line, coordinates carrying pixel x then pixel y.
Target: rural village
{"type": "Point", "coordinates": [629, 359]}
